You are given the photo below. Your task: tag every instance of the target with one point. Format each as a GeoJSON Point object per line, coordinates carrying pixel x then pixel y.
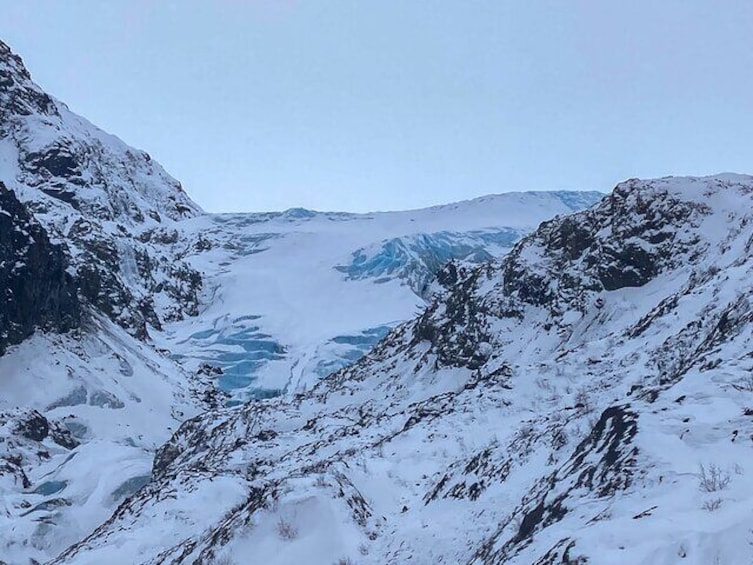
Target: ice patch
{"type": "Point", "coordinates": [129, 487]}
{"type": "Point", "coordinates": [344, 350]}
{"type": "Point", "coordinates": [417, 258]}
{"type": "Point", "coordinates": [105, 399]}
{"type": "Point", "coordinates": [240, 351]}
{"type": "Point", "coordinates": [78, 429]}
{"type": "Point", "coordinates": [50, 487]}
{"type": "Point", "coordinates": [74, 398]}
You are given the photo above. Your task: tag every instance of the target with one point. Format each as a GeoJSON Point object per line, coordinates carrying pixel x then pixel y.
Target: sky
{"type": "Point", "coordinates": [365, 105]}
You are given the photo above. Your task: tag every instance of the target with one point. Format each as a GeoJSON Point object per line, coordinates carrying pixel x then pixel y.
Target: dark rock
{"type": "Point", "coordinates": [38, 291]}
{"type": "Point", "coordinates": [35, 427]}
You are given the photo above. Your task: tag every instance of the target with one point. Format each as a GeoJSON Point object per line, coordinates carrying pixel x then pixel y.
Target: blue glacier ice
{"type": "Point", "coordinates": [240, 350]}
{"type": "Point", "coordinates": [344, 350]}
{"type": "Point", "coordinates": [129, 487]}
{"type": "Point", "coordinates": [50, 487]}
{"type": "Point", "coordinates": [577, 200]}
{"type": "Point", "coordinates": [416, 259]}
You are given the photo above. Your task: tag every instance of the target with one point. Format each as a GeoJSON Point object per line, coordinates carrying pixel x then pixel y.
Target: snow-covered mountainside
{"type": "Point", "coordinates": [84, 401]}
{"type": "Point", "coordinates": [586, 399]}
{"type": "Point", "coordinates": [293, 296]}
{"type": "Point", "coordinates": [581, 395]}
{"type": "Point", "coordinates": [125, 306]}
{"type": "Point", "coordinates": [98, 198]}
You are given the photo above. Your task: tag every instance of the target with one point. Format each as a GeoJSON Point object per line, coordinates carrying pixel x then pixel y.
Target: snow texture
{"type": "Point", "coordinates": [585, 399]}
{"type": "Point", "coordinates": [582, 395]}
{"type": "Point", "coordinates": [175, 303]}
{"type": "Point", "coordinates": [293, 296]}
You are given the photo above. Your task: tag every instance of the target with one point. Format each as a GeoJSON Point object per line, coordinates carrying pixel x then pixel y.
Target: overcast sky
{"type": "Point", "coordinates": [389, 104]}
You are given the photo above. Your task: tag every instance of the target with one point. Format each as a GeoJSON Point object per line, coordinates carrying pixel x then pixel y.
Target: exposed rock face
{"type": "Point", "coordinates": [69, 159]}
{"type": "Point", "coordinates": [18, 95]}
{"type": "Point", "coordinates": [97, 197]}
{"type": "Point", "coordinates": [627, 240]}
{"type": "Point", "coordinates": [38, 291]}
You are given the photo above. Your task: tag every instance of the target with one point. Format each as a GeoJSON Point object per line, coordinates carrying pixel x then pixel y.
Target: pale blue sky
{"type": "Point", "coordinates": [389, 104]}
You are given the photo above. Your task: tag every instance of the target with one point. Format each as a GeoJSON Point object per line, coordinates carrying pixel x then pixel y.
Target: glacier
{"type": "Point", "coordinates": [300, 282]}
{"type": "Point", "coordinates": [543, 377]}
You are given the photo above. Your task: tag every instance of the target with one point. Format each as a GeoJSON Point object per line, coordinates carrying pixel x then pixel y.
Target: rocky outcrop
{"type": "Point", "coordinates": [38, 290]}
{"type": "Point", "coordinates": [18, 95]}
{"type": "Point", "coordinates": [98, 198]}
{"type": "Point", "coordinates": [70, 160]}
{"type": "Point", "coordinates": [625, 241]}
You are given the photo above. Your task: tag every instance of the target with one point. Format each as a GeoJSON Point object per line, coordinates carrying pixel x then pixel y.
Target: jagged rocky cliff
{"type": "Point", "coordinates": [110, 206]}
{"type": "Point", "coordinates": [37, 289]}
{"type": "Point", "coordinates": [87, 272]}
{"type": "Point", "coordinates": [586, 399]}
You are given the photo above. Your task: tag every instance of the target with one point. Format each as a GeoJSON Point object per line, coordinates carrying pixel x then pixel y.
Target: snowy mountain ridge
{"type": "Point", "coordinates": [494, 381]}
{"type": "Point", "coordinates": [72, 161]}
{"type": "Point", "coordinates": [95, 196]}
{"type": "Point", "coordinates": [585, 399]}
{"type": "Point", "coordinates": [127, 306]}
{"type": "Point", "coordinates": [310, 292]}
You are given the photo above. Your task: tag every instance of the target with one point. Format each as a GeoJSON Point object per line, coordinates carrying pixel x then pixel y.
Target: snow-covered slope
{"type": "Point", "coordinates": [80, 420]}
{"type": "Point", "coordinates": [64, 156]}
{"type": "Point", "coordinates": [296, 295]}
{"type": "Point", "coordinates": [123, 302]}
{"type": "Point", "coordinates": [587, 399]}
{"type": "Point", "coordinates": [81, 413]}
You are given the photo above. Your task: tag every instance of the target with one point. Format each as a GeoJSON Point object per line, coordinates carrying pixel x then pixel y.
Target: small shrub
{"type": "Point", "coordinates": [345, 561]}
{"type": "Point", "coordinates": [583, 401]}
{"type": "Point", "coordinates": [745, 384]}
{"type": "Point", "coordinates": [713, 478]}
{"type": "Point", "coordinates": [544, 385]}
{"type": "Point", "coordinates": [559, 438]}
{"type": "Point", "coordinates": [712, 505]}
{"type": "Point", "coordinates": [525, 433]}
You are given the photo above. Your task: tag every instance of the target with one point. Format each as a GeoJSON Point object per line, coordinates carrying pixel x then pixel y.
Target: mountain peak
{"type": "Point", "coordinates": [18, 93]}
{"type": "Point", "coordinates": [97, 197]}
{"type": "Point", "coordinates": [63, 161]}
